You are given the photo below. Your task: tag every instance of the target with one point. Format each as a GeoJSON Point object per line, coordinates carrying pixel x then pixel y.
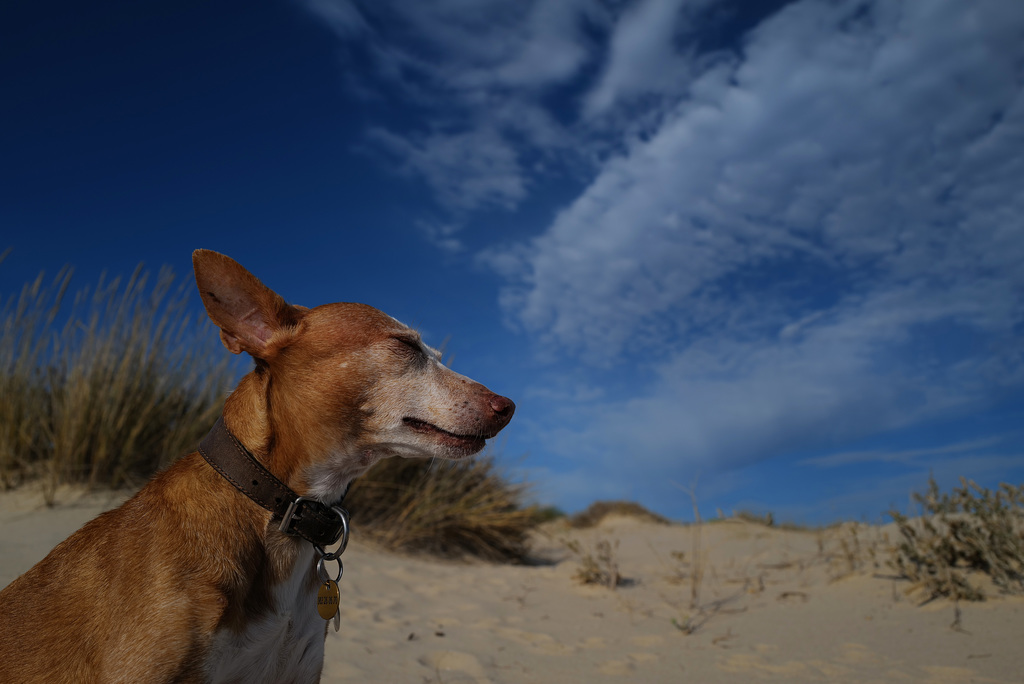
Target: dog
{"type": "Point", "coordinates": [206, 575]}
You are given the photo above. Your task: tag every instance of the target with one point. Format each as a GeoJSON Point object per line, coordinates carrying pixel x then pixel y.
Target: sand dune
{"type": "Point", "coordinates": [773, 605]}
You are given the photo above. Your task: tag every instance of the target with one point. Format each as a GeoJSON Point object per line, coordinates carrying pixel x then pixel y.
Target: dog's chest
{"type": "Point", "coordinates": [284, 646]}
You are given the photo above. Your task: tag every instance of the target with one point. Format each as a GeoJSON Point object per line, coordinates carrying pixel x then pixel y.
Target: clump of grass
{"type": "Point", "coordinates": [546, 514]}
{"type": "Point", "coordinates": [597, 566]}
{"type": "Point", "coordinates": [971, 529]}
{"type": "Point", "coordinates": [767, 519]}
{"type": "Point", "coordinates": [599, 510]}
{"type": "Point", "coordinates": [449, 509]}
{"type": "Point", "coordinates": [678, 569]}
{"type": "Point", "coordinates": [689, 623]}
{"type": "Point", "coordinates": [106, 390]}
{"type": "Point", "coordinates": [852, 548]}
{"type": "Point", "coordinates": [697, 569]}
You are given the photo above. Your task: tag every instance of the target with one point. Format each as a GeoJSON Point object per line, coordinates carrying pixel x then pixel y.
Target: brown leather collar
{"type": "Point", "coordinates": [316, 522]}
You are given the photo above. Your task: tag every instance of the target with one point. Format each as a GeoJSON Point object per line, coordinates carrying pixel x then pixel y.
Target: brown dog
{"type": "Point", "coordinates": [192, 580]}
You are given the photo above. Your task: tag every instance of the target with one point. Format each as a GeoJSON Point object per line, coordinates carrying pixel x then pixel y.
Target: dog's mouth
{"type": "Point", "coordinates": [467, 444]}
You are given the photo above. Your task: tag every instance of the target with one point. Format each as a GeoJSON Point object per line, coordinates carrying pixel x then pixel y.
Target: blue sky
{"type": "Point", "coordinates": [771, 248]}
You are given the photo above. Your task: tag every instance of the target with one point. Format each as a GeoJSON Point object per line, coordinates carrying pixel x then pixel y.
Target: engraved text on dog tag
{"type": "Point", "coordinates": [327, 599]}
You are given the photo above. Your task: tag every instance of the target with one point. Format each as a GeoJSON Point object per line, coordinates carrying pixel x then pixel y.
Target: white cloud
{"type": "Point", "coordinates": [813, 238]}
{"type": "Point", "coordinates": [833, 142]}
{"type": "Point", "coordinates": [343, 17]}
{"type": "Point", "coordinates": [551, 47]}
{"type": "Point", "coordinates": [822, 241]}
{"type": "Point", "coordinates": [466, 170]}
{"type": "Point", "coordinates": [723, 402]}
{"type": "Point", "coordinates": [442, 235]}
{"type": "Point", "coordinates": [478, 70]}
{"type": "Point", "coordinates": [642, 55]}
{"type": "Point", "coordinates": [898, 456]}
{"type": "Point", "coordinates": [469, 44]}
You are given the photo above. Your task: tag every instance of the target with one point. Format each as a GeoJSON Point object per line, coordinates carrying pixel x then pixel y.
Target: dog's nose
{"type": "Point", "coordinates": [502, 407]}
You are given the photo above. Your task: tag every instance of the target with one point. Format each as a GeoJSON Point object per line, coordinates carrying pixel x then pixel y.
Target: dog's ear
{"type": "Point", "coordinates": [251, 316]}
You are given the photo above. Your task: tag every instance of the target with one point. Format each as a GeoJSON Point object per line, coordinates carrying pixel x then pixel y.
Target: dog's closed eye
{"type": "Point", "coordinates": [409, 348]}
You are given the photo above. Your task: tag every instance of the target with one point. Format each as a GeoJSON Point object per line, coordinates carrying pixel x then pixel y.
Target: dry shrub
{"type": "Point", "coordinates": [599, 510]}
{"type": "Point", "coordinates": [449, 508]}
{"type": "Point", "coordinates": [107, 390]}
{"type": "Point", "coordinates": [598, 566]}
{"type": "Point", "coordinates": [972, 529]}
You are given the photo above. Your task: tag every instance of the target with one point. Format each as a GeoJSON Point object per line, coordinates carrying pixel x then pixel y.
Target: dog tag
{"type": "Point", "coordinates": [337, 620]}
{"type": "Point", "coordinates": [327, 599]}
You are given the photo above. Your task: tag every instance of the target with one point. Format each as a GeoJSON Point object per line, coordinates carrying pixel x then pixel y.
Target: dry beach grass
{"type": "Point", "coordinates": [107, 388]}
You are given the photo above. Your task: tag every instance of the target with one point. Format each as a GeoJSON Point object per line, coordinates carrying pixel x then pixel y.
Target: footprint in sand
{"type": "Point", "coordinates": [343, 670]}
{"type": "Point", "coordinates": [486, 623]}
{"type": "Point", "coordinates": [616, 667]}
{"type": "Point", "coordinates": [596, 643]}
{"type": "Point", "coordinates": [543, 643]}
{"type": "Point", "coordinates": [957, 675]}
{"type": "Point", "coordinates": [858, 654]}
{"type": "Point", "coordinates": [625, 667]}
{"type": "Point", "coordinates": [648, 641]}
{"type": "Point", "coordinates": [454, 661]}
{"type": "Point", "coordinates": [642, 657]}
{"type": "Point", "coordinates": [471, 608]}
{"type": "Point", "coordinates": [750, 664]}
{"type": "Point", "coordinates": [757, 664]}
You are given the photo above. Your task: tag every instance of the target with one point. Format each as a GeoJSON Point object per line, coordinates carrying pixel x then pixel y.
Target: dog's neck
{"type": "Point", "coordinates": [272, 434]}
{"type": "Point", "coordinates": [248, 415]}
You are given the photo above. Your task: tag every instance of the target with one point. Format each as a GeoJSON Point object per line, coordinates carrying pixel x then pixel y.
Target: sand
{"type": "Point", "coordinates": [773, 605]}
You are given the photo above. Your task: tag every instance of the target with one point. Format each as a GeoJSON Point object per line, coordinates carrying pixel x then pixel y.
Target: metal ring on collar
{"type": "Point", "coordinates": [343, 515]}
{"type": "Point", "coordinates": [321, 569]}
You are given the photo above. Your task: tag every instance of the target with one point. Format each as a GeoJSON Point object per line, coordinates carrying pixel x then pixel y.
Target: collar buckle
{"type": "Point", "coordinates": [294, 515]}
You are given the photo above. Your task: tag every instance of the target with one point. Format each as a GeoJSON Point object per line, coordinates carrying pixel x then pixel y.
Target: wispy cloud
{"type": "Point", "coordinates": [907, 456]}
{"type": "Point", "coordinates": [642, 57]}
{"type": "Point", "coordinates": [478, 72]}
{"type": "Point", "coordinates": [817, 244]}
{"type": "Point", "coordinates": [466, 170]}
{"type": "Point", "coordinates": [835, 159]}
{"type": "Point", "coordinates": [463, 46]}
{"type": "Point", "coordinates": [810, 238]}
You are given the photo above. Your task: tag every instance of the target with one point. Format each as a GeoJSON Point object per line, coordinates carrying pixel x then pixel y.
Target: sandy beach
{"type": "Point", "coordinates": [772, 605]}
